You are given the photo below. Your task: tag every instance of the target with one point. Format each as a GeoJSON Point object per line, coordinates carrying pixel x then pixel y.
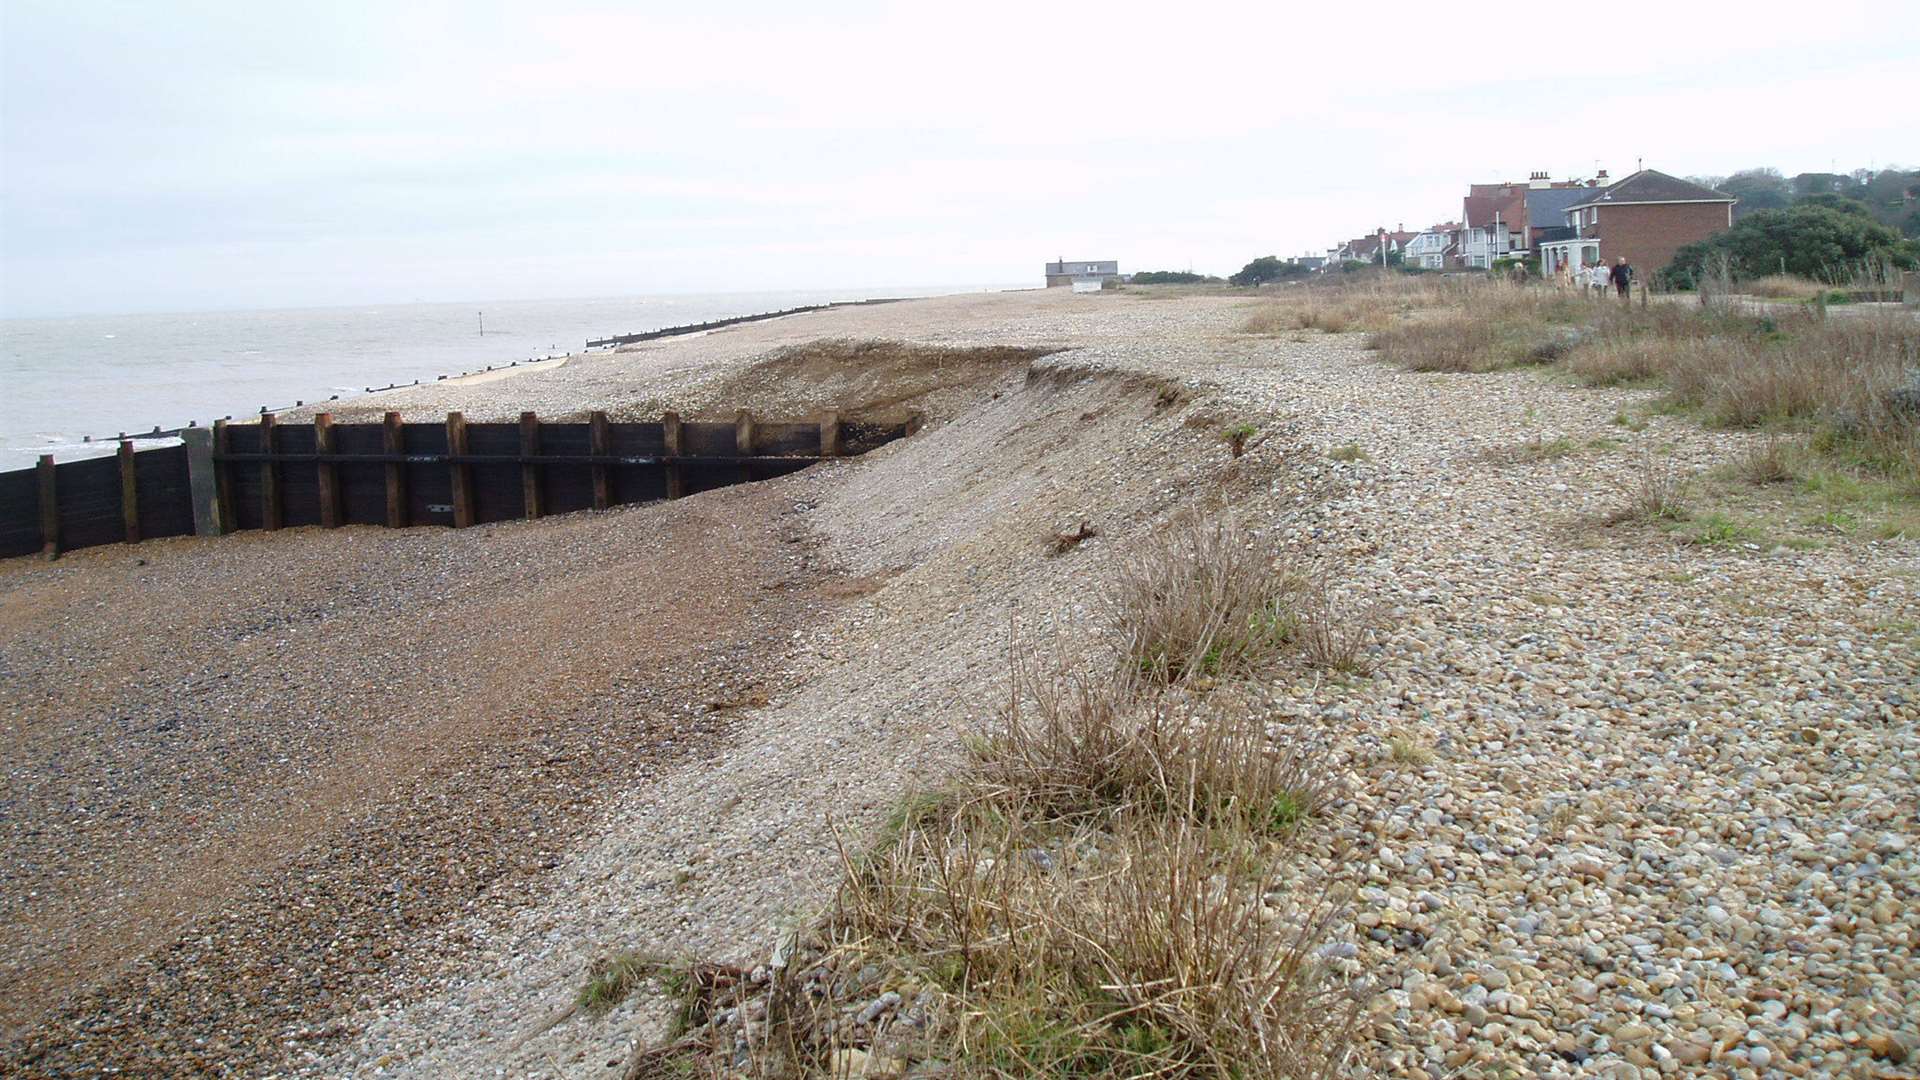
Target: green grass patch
{"type": "Point", "coordinates": [1714, 529]}
{"type": "Point", "coordinates": [1625, 419]}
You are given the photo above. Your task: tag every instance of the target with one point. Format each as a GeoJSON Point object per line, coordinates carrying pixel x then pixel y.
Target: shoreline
{"type": "Point", "coordinates": [48, 431]}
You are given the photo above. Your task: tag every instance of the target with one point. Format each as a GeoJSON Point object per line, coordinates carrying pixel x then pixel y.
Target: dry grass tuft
{"type": "Point", "coordinates": [1073, 746]}
{"type": "Point", "coordinates": [1101, 892]}
{"type": "Point", "coordinates": [1403, 750]}
{"type": "Point", "coordinates": [1783, 287]}
{"type": "Point", "coordinates": [611, 979]}
{"type": "Point", "coordinates": [1097, 896]}
{"type": "Point", "coordinates": [1655, 494]}
{"type": "Point", "coordinates": [1373, 302]}
{"type": "Point", "coordinates": [1332, 637]}
{"type": "Point", "coordinates": [1774, 461]}
{"type": "Point", "coordinates": [1485, 325]}
{"type": "Point", "coordinates": [1536, 448]}
{"type": "Point", "coordinates": [1204, 597]}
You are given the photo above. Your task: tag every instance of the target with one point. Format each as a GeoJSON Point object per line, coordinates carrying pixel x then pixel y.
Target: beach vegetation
{"type": "Point", "coordinates": [1173, 277]}
{"type": "Point", "coordinates": [1267, 269]}
{"type": "Point", "coordinates": [1101, 890]}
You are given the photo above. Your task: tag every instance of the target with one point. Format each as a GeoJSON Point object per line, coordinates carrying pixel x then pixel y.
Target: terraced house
{"type": "Point", "coordinates": [1644, 218]}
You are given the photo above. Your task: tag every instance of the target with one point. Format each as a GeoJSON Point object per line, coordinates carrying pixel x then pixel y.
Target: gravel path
{"type": "Point", "coordinates": [1667, 825]}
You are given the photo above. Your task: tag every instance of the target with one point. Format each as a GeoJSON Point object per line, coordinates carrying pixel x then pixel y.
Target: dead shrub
{"type": "Point", "coordinates": [1452, 341]}
{"type": "Point", "coordinates": [1144, 950]}
{"type": "Point", "coordinates": [1489, 326]}
{"type": "Point", "coordinates": [1655, 494]}
{"type": "Point", "coordinates": [1099, 892]}
{"type": "Point", "coordinates": [1373, 302]}
{"type": "Point", "coordinates": [1074, 745]}
{"type": "Point", "coordinates": [1204, 597]}
{"type": "Point", "coordinates": [1097, 896]}
{"type": "Point", "coordinates": [1619, 361]}
{"type": "Point", "coordinates": [1332, 636]}
{"type": "Point", "coordinates": [1783, 287]}
{"type": "Point", "coordinates": [1773, 461]}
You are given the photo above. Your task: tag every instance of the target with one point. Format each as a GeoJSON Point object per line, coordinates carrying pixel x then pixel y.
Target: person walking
{"type": "Point", "coordinates": [1622, 276]}
{"type": "Point", "coordinates": [1596, 279]}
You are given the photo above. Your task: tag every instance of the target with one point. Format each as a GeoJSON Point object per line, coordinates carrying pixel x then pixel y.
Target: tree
{"type": "Point", "coordinates": [1172, 277]}
{"type": "Point", "coordinates": [1812, 183]}
{"type": "Point", "coordinates": [1266, 268]}
{"type": "Point", "coordinates": [1757, 189]}
{"type": "Point", "coordinates": [1811, 239]}
{"type": "Point", "coordinates": [1837, 202]}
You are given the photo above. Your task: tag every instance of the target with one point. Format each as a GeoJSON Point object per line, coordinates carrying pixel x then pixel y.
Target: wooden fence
{"type": "Point", "coordinates": [271, 475]}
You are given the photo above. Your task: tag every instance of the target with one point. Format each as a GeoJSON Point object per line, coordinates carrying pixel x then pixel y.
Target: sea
{"type": "Point", "coordinates": [70, 386]}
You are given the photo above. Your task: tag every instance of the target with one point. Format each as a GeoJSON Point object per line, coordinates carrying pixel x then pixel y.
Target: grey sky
{"type": "Point", "coordinates": [222, 155]}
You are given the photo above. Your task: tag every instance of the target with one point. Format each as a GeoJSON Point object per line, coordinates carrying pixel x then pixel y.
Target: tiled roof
{"type": "Point", "coordinates": [1652, 186]}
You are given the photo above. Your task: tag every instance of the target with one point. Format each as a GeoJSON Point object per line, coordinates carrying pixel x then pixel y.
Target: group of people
{"type": "Point", "coordinates": [1593, 280]}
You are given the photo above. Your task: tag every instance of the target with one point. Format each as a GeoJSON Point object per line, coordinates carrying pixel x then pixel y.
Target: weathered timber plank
{"type": "Point", "coordinates": [530, 472]}
{"type": "Point", "coordinates": [223, 476]}
{"type": "Point", "coordinates": [395, 443]}
{"type": "Point", "coordinates": [49, 509]}
{"type": "Point", "coordinates": [270, 508]}
{"type": "Point", "coordinates": [670, 432]}
{"type": "Point", "coordinates": [830, 434]}
{"type": "Point", "coordinates": [460, 476]}
{"type": "Point", "coordinates": [203, 488]}
{"type": "Point", "coordinates": [599, 443]}
{"type": "Point", "coordinates": [326, 472]}
{"type": "Point", "coordinates": [129, 495]}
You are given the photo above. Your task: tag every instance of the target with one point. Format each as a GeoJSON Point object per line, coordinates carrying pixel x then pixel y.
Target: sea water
{"type": "Point", "coordinates": [63, 379]}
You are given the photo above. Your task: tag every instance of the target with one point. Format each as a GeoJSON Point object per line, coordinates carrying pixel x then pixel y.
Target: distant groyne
{"type": "Point", "coordinates": [716, 324]}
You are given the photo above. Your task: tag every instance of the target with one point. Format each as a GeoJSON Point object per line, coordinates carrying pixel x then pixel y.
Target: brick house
{"type": "Point", "coordinates": [1644, 218]}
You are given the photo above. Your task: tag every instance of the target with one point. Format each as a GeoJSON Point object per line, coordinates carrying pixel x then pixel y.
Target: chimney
{"type": "Point", "coordinates": [1601, 178]}
{"type": "Point", "coordinates": [1537, 180]}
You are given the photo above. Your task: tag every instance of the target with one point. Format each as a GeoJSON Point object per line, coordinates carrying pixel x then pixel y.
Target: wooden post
{"type": "Point", "coordinates": [743, 441]}
{"type": "Point", "coordinates": [203, 488]}
{"type": "Point", "coordinates": [223, 476]}
{"type": "Point", "coordinates": [530, 472]}
{"type": "Point", "coordinates": [670, 432]}
{"type": "Point", "coordinates": [830, 435]}
{"type": "Point", "coordinates": [600, 444]}
{"type": "Point", "coordinates": [269, 477]}
{"type": "Point", "coordinates": [329, 475]}
{"type": "Point", "coordinates": [462, 474]}
{"type": "Point", "coordinates": [129, 495]}
{"type": "Point", "coordinates": [49, 509]}
{"type": "Point", "coordinates": [395, 443]}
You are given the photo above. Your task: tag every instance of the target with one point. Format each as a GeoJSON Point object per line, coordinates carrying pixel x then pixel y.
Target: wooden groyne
{"type": "Point", "coordinates": [271, 475]}
{"type": "Point", "coordinates": [716, 324]}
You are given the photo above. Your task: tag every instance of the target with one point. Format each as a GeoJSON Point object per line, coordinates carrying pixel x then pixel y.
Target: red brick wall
{"type": "Point", "coordinates": [1648, 234]}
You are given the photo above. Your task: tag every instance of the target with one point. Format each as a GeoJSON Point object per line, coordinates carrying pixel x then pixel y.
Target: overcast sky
{"type": "Point", "coordinates": [186, 156]}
